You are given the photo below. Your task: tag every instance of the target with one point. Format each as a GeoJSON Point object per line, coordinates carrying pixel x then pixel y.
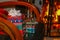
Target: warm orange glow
{"type": "Point", "coordinates": [46, 13]}
{"type": "Point", "coordinates": [55, 3]}
{"type": "Point", "coordinates": [58, 12]}
{"type": "Point", "coordinates": [46, 1]}
{"type": "Point", "coordinates": [59, 6]}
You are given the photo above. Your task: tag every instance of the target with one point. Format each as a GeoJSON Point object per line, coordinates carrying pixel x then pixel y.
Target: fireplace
{"type": "Point", "coordinates": [51, 17]}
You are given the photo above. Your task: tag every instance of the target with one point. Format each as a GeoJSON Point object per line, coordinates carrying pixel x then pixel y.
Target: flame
{"type": "Point", "coordinates": [47, 11]}
{"type": "Point", "coordinates": [57, 14]}
{"type": "Point", "coordinates": [57, 11]}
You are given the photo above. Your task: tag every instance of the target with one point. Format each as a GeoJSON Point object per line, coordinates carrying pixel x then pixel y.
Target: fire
{"type": "Point", "coordinates": [46, 13]}
{"type": "Point", "coordinates": [54, 15]}
{"type": "Point", "coordinates": [57, 14]}
{"type": "Point", "coordinates": [47, 10]}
